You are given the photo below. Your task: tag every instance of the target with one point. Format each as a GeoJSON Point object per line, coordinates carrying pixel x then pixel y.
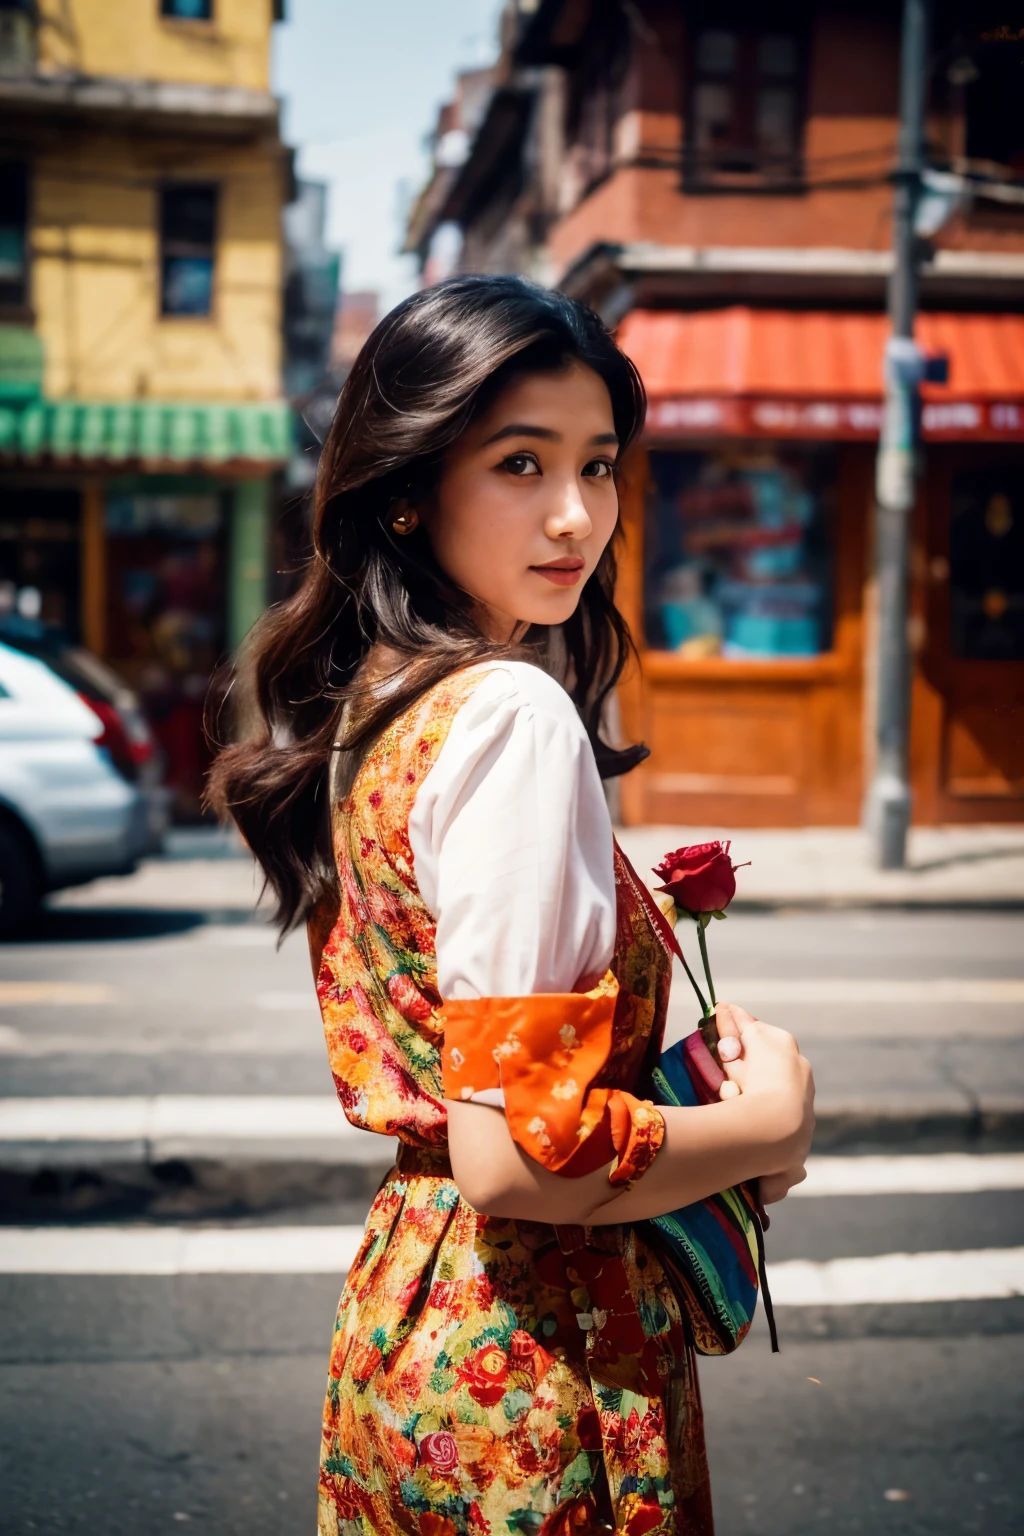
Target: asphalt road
{"type": "Point", "coordinates": [150, 1001]}
{"type": "Point", "coordinates": [134, 1404]}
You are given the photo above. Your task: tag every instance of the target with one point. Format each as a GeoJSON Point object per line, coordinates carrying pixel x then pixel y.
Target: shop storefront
{"type": "Point", "coordinates": [747, 573]}
{"type": "Point", "coordinates": [144, 532]}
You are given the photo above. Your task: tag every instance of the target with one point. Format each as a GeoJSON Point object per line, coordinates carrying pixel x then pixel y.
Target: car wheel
{"type": "Point", "coordinates": [20, 886]}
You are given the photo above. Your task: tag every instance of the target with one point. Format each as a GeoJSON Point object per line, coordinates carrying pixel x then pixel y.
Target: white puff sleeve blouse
{"type": "Point", "coordinates": [512, 843]}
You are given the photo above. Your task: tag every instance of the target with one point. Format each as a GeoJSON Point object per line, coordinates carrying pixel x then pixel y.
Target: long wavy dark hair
{"type": "Point", "coordinates": [431, 365]}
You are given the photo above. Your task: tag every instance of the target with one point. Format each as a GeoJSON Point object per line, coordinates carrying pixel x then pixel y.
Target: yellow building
{"type": "Point", "coordinates": [142, 180]}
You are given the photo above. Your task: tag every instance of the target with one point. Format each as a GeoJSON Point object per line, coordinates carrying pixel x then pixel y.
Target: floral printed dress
{"type": "Point", "coordinates": [491, 1375]}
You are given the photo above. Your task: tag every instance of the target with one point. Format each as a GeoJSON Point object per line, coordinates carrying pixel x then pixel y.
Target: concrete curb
{"type": "Point", "coordinates": [942, 1125]}
{"type": "Point", "coordinates": [54, 1179]}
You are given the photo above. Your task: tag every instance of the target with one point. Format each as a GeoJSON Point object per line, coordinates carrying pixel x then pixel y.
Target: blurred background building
{"type": "Point", "coordinates": [357, 314]}
{"type": "Point", "coordinates": [716, 181]}
{"type": "Point", "coordinates": [143, 408]}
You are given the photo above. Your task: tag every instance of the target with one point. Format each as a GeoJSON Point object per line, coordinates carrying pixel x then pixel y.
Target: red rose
{"type": "Point", "coordinates": [699, 879]}
{"type": "Point", "coordinates": [540, 1460]}
{"type": "Point", "coordinates": [573, 1517]}
{"type": "Point", "coordinates": [475, 1519]}
{"type": "Point", "coordinates": [364, 1361]}
{"type": "Point", "coordinates": [436, 1525]}
{"type": "Point", "coordinates": [522, 1346]}
{"type": "Point", "coordinates": [645, 1517]}
{"type": "Point", "coordinates": [528, 1357]}
{"type": "Point", "coordinates": [408, 998]}
{"type": "Point", "coordinates": [485, 1374]}
{"type": "Point", "coordinates": [439, 1451]}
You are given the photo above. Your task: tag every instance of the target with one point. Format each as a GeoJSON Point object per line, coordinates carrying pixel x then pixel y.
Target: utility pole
{"type": "Point", "coordinates": [887, 809]}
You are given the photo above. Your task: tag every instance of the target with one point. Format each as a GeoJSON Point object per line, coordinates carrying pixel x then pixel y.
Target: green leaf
{"type": "Point", "coordinates": [528, 1520]}
{"type": "Point", "coordinates": [577, 1477]}
{"type": "Point", "coordinates": [720, 915]}
{"type": "Point", "coordinates": [413, 1497]}
{"type": "Point", "coordinates": [340, 1466]}
{"type": "Point", "coordinates": [515, 1403]}
{"type": "Point", "coordinates": [489, 1335]}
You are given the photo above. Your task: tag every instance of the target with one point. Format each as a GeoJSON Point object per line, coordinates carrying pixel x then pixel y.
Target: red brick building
{"type": "Point", "coordinates": [715, 180]}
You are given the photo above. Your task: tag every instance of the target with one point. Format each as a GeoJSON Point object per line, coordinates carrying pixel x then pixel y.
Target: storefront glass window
{"type": "Point", "coordinates": [166, 629]}
{"type": "Point", "coordinates": [738, 552]}
{"type": "Point", "coordinates": [986, 565]}
{"type": "Point", "coordinates": [40, 555]}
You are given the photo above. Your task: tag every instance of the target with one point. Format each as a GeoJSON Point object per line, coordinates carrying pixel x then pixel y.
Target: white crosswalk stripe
{"type": "Point", "coordinates": [899, 1278]}
{"type": "Point", "coordinates": [177, 1250]}
{"type": "Point", "coordinates": [938, 1173]}
{"type": "Point", "coordinates": [303, 1128]}
{"type": "Point", "coordinates": [129, 1118]}
{"type": "Point", "coordinates": [206, 1250]}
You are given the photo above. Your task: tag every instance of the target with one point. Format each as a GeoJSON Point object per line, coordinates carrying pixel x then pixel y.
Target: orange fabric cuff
{"type": "Point", "coordinates": [544, 1051]}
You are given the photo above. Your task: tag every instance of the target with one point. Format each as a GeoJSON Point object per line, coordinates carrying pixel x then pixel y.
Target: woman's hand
{"type": "Point", "coordinates": [773, 1187]}
{"type": "Point", "coordinates": [730, 1047]}
{"type": "Point", "coordinates": [764, 1064]}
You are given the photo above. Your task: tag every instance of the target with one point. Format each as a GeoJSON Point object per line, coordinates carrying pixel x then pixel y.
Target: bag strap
{"type": "Point", "coordinates": [762, 1269]}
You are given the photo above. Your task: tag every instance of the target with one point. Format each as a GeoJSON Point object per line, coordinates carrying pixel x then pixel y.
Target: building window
{"type": "Point", "coordinates": [994, 129]}
{"type": "Point", "coordinates": [738, 551]}
{"type": "Point", "coordinates": [18, 23]}
{"type": "Point", "coordinates": [986, 565]}
{"type": "Point", "coordinates": [744, 108]}
{"type": "Point", "coordinates": [13, 232]}
{"type": "Point", "coordinates": [188, 219]}
{"type": "Point", "coordinates": [187, 10]}
{"type": "Point", "coordinates": [594, 101]}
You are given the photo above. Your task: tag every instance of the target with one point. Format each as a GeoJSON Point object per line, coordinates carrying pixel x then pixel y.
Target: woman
{"type": "Point", "coordinates": [425, 789]}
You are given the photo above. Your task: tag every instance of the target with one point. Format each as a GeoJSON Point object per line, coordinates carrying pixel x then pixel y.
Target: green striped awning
{"type": "Point", "coordinates": [84, 431]}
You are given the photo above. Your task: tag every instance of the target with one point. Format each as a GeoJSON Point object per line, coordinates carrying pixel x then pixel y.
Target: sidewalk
{"type": "Point", "coordinates": [979, 866]}
{"type": "Point", "coordinates": [810, 867]}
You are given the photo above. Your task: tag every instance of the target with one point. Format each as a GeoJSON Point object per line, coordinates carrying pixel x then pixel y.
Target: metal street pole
{"type": "Point", "coordinates": [887, 810]}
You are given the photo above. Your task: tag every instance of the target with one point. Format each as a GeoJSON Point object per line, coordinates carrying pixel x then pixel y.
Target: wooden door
{"type": "Point", "coordinates": [968, 727]}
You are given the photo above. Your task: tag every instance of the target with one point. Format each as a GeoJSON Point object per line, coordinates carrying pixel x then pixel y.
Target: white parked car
{"type": "Point", "coordinates": [67, 814]}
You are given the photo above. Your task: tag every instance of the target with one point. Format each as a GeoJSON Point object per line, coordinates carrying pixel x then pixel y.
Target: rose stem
{"type": "Point", "coordinates": [704, 957]}
{"type": "Point", "coordinates": [693, 983]}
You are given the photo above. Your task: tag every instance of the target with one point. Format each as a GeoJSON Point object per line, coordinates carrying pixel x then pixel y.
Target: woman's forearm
{"type": "Point", "coordinates": [705, 1150]}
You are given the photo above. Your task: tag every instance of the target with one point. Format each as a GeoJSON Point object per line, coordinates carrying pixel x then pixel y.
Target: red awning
{"type": "Point", "coordinates": [792, 373]}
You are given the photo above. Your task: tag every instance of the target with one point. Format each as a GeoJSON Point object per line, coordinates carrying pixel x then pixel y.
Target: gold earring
{"type": "Point", "coordinates": [405, 523]}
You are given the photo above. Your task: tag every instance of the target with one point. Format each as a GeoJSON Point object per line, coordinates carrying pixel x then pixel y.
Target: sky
{"type": "Point", "coordinates": [361, 82]}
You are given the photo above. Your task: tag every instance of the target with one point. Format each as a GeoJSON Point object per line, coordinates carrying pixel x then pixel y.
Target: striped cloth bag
{"type": "Point", "coordinates": [712, 1250]}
